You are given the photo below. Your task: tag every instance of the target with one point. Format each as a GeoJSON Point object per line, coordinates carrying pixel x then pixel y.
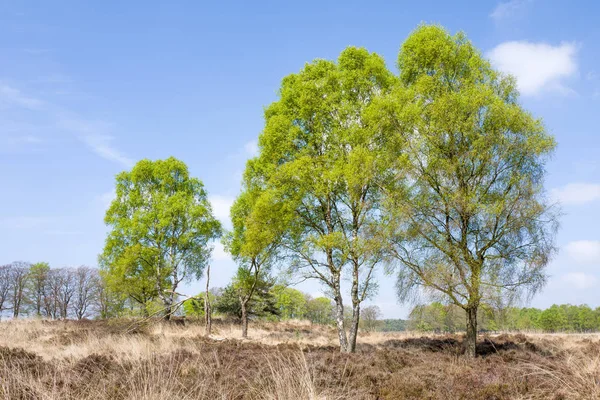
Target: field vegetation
{"type": "Point", "coordinates": [120, 359]}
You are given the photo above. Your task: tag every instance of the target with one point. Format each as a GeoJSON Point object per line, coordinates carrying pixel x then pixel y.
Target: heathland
{"type": "Point", "coordinates": [127, 359]}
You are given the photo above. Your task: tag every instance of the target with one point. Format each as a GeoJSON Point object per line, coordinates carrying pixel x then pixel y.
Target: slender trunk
{"type": "Point", "coordinates": [354, 328]}
{"type": "Point", "coordinates": [244, 320]}
{"type": "Point", "coordinates": [17, 296]}
{"type": "Point", "coordinates": [207, 308]}
{"type": "Point", "coordinates": [355, 310]}
{"type": "Point", "coordinates": [471, 338]}
{"type": "Point", "coordinates": [168, 308]}
{"type": "Point", "coordinates": [339, 317]}
{"type": "Point", "coordinates": [38, 305]}
{"type": "Point", "coordinates": [171, 297]}
{"type": "Point", "coordinates": [244, 300]}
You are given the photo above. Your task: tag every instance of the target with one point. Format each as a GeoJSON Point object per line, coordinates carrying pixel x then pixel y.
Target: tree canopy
{"type": "Point", "coordinates": [161, 228]}
{"type": "Point", "coordinates": [317, 171]}
{"type": "Point", "coordinates": [469, 220]}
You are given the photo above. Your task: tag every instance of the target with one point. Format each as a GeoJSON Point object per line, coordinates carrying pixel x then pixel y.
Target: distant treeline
{"type": "Point", "coordinates": [558, 318]}
{"type": "Point", "coordinates": [81, 292]}
{"type": "Point", "coordinates": [393, 325]}
{"type": "Point", "coordinates": [37, 290]}
{"type": "Point", "coordinates": [270, 301]}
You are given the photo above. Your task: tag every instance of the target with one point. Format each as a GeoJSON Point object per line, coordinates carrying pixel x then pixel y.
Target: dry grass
{"type": "Point", "coordinates": [115, 360]}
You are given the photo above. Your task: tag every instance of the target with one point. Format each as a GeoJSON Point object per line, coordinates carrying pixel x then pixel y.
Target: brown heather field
{"type": "Point", "coordinates": [112, 360]}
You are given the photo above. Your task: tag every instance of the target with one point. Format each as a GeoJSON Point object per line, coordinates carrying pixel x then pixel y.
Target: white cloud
{"type": "Point", "coordinates": [60, 232]}
{"type": "Point", "coordinates": [580, 280]}
{"type": "Point", "coordinates": [584, 251]}
{"type": "Point", "coordinates": [37, 52]}
{"type": "Point", "coordinates": [221, 206]}
{"type": "Point", "coordinates": [15, 97]}
{"type": "Point", "coordinates": [107, 198]}
{"type": "Point", "coordinates": [25, 222]}
{"type": "Point", "coordinates": [576, 193]}
{"type": "Point", "coordinates": [30, 139]}
{"type": "Point", "coordinates": [251, 148]}
{"type": "Point", "coordinates": [508, 9]}
{"type": "Point", "coordinates": [93, 134]}
{"type": "Point", "coordinates": [537, 66]}
{"type": "Point", "coordinates": [101, 145]}
{"type": "Point", "coordinates": [219, 253]}
{"type": "Point", "coordinates": [14, 143]}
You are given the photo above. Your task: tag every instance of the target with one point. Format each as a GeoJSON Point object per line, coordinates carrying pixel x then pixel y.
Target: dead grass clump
{"type": "Point", "coordinates": [573, 375]}
{"type": "Point", "coordinates": [292, 377]}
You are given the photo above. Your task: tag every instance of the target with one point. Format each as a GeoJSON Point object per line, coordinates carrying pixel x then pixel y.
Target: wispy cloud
{"type": "Point", "coordinates": [24, 139]}
{"type": "Point", "coordinates": [584, 252]}
{"type": "Point", "coordinates": [251, 148]}
{"type": "Point", "coordinates": [221, 206]}
{"type": "Point", "coordinates": [219, 253]}
{"type": "Point", "coordinates": [15, 97]}
{"type": "Point", "coordinates": [30, 139]}
{"type": "Point", "coordinates": [94, 134]}
{"type": "Point", "coordinates": [576, 193]}
{"type": "Point", "coordinates": [538, 67]}
{"type": "Point", "coordinates": [12, 144]}
{"type": "Point", "coordinates": [107, 198]}
{"type": "Point", "coordinates": [580, 280]}
{"type": "Point", "coordinates": [101, 145]}
{"type": "Point", "coordinates": [37, 52]}
{"type": "Point", "coordinates": [26, 222]}
{"type": "Point", "coordinates": [53, 79]}
{"type": "Point", "coordinates": [60, 232]}
{"type": "Point", "coordinates": [509, 9]}
{"type": "Point", "coordinates": [40, 224]}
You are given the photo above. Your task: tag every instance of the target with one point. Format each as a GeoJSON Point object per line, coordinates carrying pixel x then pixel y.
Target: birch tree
{"type": "Point", "coordinates": [86, 288]}
{"type": "Point", "coordinates": [38, 277]}
{"type": "Point", "coordinates": [19, 273]}
{"type": "Point", "coordinates": [4, 288]}
{"type": "Point", "coordinates": [254, 254]}
{"type": "Point", "coordinates": [318, 171]}
{"type": "Point", "coordinates": [469, 219]}
{"type": "Point", "coordinates": [161, 228]}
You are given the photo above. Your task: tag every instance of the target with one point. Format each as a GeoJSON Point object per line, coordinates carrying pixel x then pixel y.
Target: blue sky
{"type": "Point", "coordinates": [88, 88]}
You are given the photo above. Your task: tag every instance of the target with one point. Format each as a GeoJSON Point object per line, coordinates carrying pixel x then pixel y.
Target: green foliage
{"type": "Point", "coordinates": [318, 170]}
{"type": "Point", "coordinates": [436, 317]}
{"type": "Point", "coordinates": [261, 304]}
{"type": "Point", "coordinates": [39, 270]}
{"type": "Point", "coordinates": [469, 220]}
{"type": "Point", "coordinates": [129, 277]}
{"type": "Point", "coordinates": [393, 325]}
{"type": "Point", "coordinates": [370, 319]}
{"type": "Point", "coordinates": [38, 277]}
{"type": "Point", "coordinates": [320, 310]}
{"type": "Point", "coordinates": [111, 302]}
{"type": "Point", "coordinates": [194, 307]}
{"type": "Point", "coordinates": [558, 318]}
{"type": "Point", "coordinates": [553, 319]}
{"type": "Point", "coordinates": [291, 303]}
{"type": "Point", "coordinates": [161, 225]}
